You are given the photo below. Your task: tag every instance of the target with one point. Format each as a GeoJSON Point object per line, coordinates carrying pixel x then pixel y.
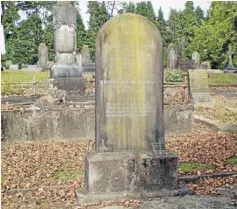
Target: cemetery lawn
{"type": "Point", "coordinates": [222, 109]}
{"type": "Point", "coordinates": [45, 174]}
{"type": "Point", "coordinates": [222, 79]}
{"type": "Point", "coordinates": [23, 76]}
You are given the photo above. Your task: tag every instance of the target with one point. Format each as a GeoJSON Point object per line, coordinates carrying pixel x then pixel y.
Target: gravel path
{"type": "Point", "coordinates": [225, 199]}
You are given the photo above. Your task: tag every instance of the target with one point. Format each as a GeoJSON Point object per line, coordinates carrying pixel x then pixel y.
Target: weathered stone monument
{"type": "Point", "coordinates": [130, 158]}
{"type": "Point", "coordinates": [64, 22]}
{"type": "Point", "coordinates": [230, 67]}
{"type": "Point", "coordinates": [85, 55]}
{"type": "Point", "coordinates": [66, 72]}
{"type": "Point", "coordinates": [199, 88]}
{"type": "Point", "coordinates": [196, 60]}
{"type": "Point", "coordinates": [196, 57]}
{"type": "Point", "coordinates": [43, 56]}
{"type": "Point", "coordinates": [207, 64]}
{"type": "Point", "coordinates": [87, 64]}
{"type": "Point", "coordinates": [172, 56]}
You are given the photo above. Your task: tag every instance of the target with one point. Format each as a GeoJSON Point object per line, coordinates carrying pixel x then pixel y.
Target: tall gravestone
{"type": "Point", "coordinates": [172, 56]}
{"type": "Point", "coordinates": [130, 150]}
{"type": "Point", "coordinates": [64, 24]}
{"type": "Point", "coordinates": [42, 56]}
{"type": "Point", "coordinates": [66, 73]}
{"type": "Point", "coordinates": [199, 88]}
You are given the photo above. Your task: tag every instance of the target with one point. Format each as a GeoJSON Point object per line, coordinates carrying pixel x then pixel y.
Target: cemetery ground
{"type": "Point", "coordinates": [45, 174]}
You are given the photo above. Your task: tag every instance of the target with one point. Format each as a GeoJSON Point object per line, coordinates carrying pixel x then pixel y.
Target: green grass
{"type": "Point", "coordinates": [227, 116]}
{"type": "Point", "coordinates": [222, 79]}
{"type": "Point", "coordinates": [3, 179]}
{"type": "Point", "coordinates": [189, 166]}
{"type": "Point", "coordinates": [23, 76]}
{"type": "Point", "coordinates": [231, 161]}
{"type": "Point", "coordinates": [69, 175]}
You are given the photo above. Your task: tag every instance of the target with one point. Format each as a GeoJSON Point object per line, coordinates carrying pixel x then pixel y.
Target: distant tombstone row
{"type": "Point", "coordinates": [173, 62]}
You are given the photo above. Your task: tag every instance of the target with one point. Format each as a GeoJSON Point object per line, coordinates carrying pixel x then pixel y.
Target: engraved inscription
{"type": "Point", "coordinates": [129, 110]}
{"type": "Point", "coordinates": [198, 81]}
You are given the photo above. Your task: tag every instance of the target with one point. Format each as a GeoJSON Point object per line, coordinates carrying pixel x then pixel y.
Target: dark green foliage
{"type": "Point", "coordinates": [98, 16]}
{"type": "Point", "coordinates": [146, 9]}
{"type": "Point", "coordinates": [210, 35]}
{"type": "Point", "coordinates": [10, 16]}
{"type": "Point", "coordinates": [48, 40]}
{"type": "Point", "coordinates": [216, 33]}
{"type": "Point", "coordinates": [130, 7]}
{"type": "Point", "coordinates": [199, 14]}
{"type": "Point", "coordinates": [24, 48]}
{"type": "Point", "coordinates": [80, 30]}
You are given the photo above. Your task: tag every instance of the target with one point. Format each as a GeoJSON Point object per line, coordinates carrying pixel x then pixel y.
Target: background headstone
{"type": "Point", "coordinates": [64, 24]}
{"type": "Point", "coordinates": [14, 67]}
{"type": "Point", "coordinates": [185, 64]}
{"type": "Point", "coordinates": [33, 68]}
{"type": "Point", "coordinates": [85, 55]}
{"type": "Point", "coordinates": [8, 63]}
{"type": "Point", "coordinates": [199, 88]}
{"type": "Point", "coordinates": [172, 56]}
{"type": "Point", "coordinates": [230, 67]}
{"type": "Point", "coordinates": [207, 63]}
{"type": "Point", "coordinates": [79, 59]}
{"type": "Point", "coordinates": [196, 57]}
{"type": "Point", "coordinates": [43, 56]}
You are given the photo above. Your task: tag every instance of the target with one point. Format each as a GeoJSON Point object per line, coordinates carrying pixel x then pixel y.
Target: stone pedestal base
{"type": "Point", "coordinates": [74, 87]}
{"type": "Point", "coordinates": [201, 97]}
{"type": "Point", "coordinates": [113, 175]}
{"type": "Point", "coordinates": [66, 70]}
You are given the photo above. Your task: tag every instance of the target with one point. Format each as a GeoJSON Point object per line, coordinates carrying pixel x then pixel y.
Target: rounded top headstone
{"type": "Point", "coordinates": [124, 17]}
{"type": "Point", "coordinates": [42, 45]}
{"type": "Point", "coordinates": [172, 45]}
{"type": "Point", "coordinates": [85, 48]}
{"type": "Point", "coordinates": [129, 85]}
